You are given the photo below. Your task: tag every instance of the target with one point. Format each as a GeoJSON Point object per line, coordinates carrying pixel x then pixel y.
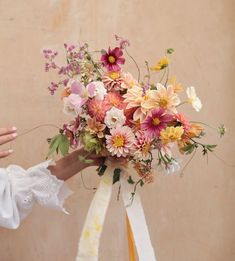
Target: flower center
{"type": "Point", "coordinates": [114, 119]}
{"type": "Point", "coordinates": [118, 141]}
{"type": "Point", "coordinates": [156, 121]}
{"type": "Point", "coordinates": [112, 59]}
{"type": "Point", "coordinates": [146, 148]}
{"type": "Point", "coordinates": [163, 102]}
{"type": "Point", "coordinates": [114, 75]}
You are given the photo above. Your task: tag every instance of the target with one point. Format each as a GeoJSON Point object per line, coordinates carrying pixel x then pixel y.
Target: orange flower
{"type": "Point", "coordinates": [195, 130]}
{"type": "Point", "coordinates": [66, 92]}
{"type": "Point", "coordinates": [95, 127]}
{"type": "Point", "coordinates": [143, 172]}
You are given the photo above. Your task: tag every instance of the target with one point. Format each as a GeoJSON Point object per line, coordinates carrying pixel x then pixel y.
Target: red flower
{"type": "Point", "coordinates": [112, 59]}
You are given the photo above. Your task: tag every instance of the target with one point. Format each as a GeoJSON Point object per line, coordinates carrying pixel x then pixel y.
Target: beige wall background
{"type": "Point", "coordinates": [190, 217]}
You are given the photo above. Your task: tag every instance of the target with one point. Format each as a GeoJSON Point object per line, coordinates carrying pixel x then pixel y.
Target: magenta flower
{"type": "Point", "coordinates": [157, 121]}
{"type": "Point", "coordinates": [112, 59]}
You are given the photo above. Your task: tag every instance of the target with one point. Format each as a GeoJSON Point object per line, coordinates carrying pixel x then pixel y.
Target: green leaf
{"type": "Point", "coordinates": [101, 170]}
{"type": "Point", "coordinates": [141, 183]}
{"type": "Point", "coordinates": [116, 175]}
{"type": "Point", "coordinates": [189, 148]}
{"type": "Point", "coordinates": [54, 144]}
{"type": "Point", "coordinates": [210, 147]}
{"type": "Point", "coordinates": [59, 143]}
{"type": "Point", "coordinates": [64, 145]}
{"type": "Point", "coordinates": [130, 180]}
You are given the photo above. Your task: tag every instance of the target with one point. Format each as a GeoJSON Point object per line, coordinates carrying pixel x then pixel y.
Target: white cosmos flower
{"type": "Point", "coordinates": [170, 168]}
{"type": "Point", "coordinates": [114, 117]}
{"type": "Point", "coordinates": [193, 99]}
{"type": "Point", "coordinates": [99, 89]}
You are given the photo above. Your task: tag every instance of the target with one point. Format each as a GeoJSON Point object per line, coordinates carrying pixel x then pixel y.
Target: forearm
{"type": "Point", "coordinates": [70, 165]}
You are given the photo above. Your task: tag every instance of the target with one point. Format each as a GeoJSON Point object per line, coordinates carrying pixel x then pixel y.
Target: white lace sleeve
{"type": "Point", "coordinates": [20, 189]}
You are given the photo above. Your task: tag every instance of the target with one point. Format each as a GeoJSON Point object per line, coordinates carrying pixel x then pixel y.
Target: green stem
{"type": "Point", "coordinates": [182, 103]}
{"type": "Point", "coordinates": [163, 75]}
{"type": "Point", "coordinates": [182, 172]}
{"type": "Point", "coordinates": [167, 74]}
{"type": "Point", "coordinates": [134, 63]}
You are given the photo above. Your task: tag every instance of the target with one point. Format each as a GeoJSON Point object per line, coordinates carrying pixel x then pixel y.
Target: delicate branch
{"type": "Point", "coordinates": [134, 63]}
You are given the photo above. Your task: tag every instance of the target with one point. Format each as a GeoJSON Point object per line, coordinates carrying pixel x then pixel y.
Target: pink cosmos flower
{"type": "Point", "coordinates": [120, 142]}
{"type": "Point", "coordinates": [155, 122]}
{"type": "Point", "coordinates": [112, 59]}
{"type": "Point", "coordinates": [97, 109]}
{"type": "Point", "coordinates": [79, 95]}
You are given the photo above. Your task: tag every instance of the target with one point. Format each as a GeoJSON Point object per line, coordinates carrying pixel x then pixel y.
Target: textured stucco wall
{"type": "Point", "coordinates": [190, 217]}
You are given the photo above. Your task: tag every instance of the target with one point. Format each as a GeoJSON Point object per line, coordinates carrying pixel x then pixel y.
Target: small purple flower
{"type": "Point", "coordinates": [53, 87]}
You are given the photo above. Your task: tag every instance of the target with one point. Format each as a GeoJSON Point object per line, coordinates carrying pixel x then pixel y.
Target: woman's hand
{"type": "Point", "coordinates": [7, 135]}
{"type": "Point", "coordinates": [70, 165]}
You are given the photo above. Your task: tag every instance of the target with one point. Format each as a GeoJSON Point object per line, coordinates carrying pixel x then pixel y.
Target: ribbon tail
{"type": "Point", "coordinates": [131, 242]}
{"type": "Point", "coordinates": [89, 242]}
{"type": "Point", "coordinates": [138, 223]}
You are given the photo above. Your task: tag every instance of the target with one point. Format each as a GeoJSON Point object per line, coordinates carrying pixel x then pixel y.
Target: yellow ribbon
{"type": "Point", "coordinates": [131, 242]}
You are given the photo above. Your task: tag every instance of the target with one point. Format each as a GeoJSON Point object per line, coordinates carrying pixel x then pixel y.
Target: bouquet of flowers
{"type": "Point", "coordinates": [119, 116]}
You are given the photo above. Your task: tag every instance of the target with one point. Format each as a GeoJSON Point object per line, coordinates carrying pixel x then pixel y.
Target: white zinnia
{"type": "Point", "coordinates": [193, 99]}
{"type": "Point", "coordinates": [114, 117]}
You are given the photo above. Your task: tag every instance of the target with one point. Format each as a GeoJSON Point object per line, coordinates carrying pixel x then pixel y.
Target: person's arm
{"type": "Point", "coordinates": [44, 183]}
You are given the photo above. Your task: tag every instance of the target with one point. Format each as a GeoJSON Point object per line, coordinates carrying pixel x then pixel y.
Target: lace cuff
{"type": "Point", "coordinates": [20, 189]}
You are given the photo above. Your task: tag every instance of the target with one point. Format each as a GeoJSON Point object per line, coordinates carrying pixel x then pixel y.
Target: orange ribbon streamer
{"type": "Point", "coordinates": [131, 242]}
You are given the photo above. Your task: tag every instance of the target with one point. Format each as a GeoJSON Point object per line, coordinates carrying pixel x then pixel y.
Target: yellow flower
{"type": "Point", "coordinates": [176, 85]}
{"type": "Point", "coordinates": [163, 63]}
{"type": "Point", "coordinates": [171, 134]}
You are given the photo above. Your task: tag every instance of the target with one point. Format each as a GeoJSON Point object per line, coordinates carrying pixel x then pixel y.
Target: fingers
{"type": "Point", "coordinates": [5, 131]}
{"type": "Point", "coordinates": [5, 153]}
{"type": "Point", "coordinates": [7, 138]}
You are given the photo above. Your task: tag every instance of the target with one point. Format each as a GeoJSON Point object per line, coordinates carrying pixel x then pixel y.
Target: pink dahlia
{"type": "Point", "coordinates": [120, 142]}
{"type": "Point", "coordinates": [97, 109]}
{"type": "Point", "coordinates": [143, 146]}
{"type": "Point", "coordinates": [112, 59]}
{"type": "Point", "coordinates": [156, 122]}
{"type": "Point", "coordinates": [113, 81]}
{"type": "Point", "coordinates": [114, 99]}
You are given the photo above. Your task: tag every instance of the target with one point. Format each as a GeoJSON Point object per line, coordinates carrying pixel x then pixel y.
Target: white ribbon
{"type": "Point", "coordinates": [137, 221]}
{"type": "Point", "coordinates": [88, 248]}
